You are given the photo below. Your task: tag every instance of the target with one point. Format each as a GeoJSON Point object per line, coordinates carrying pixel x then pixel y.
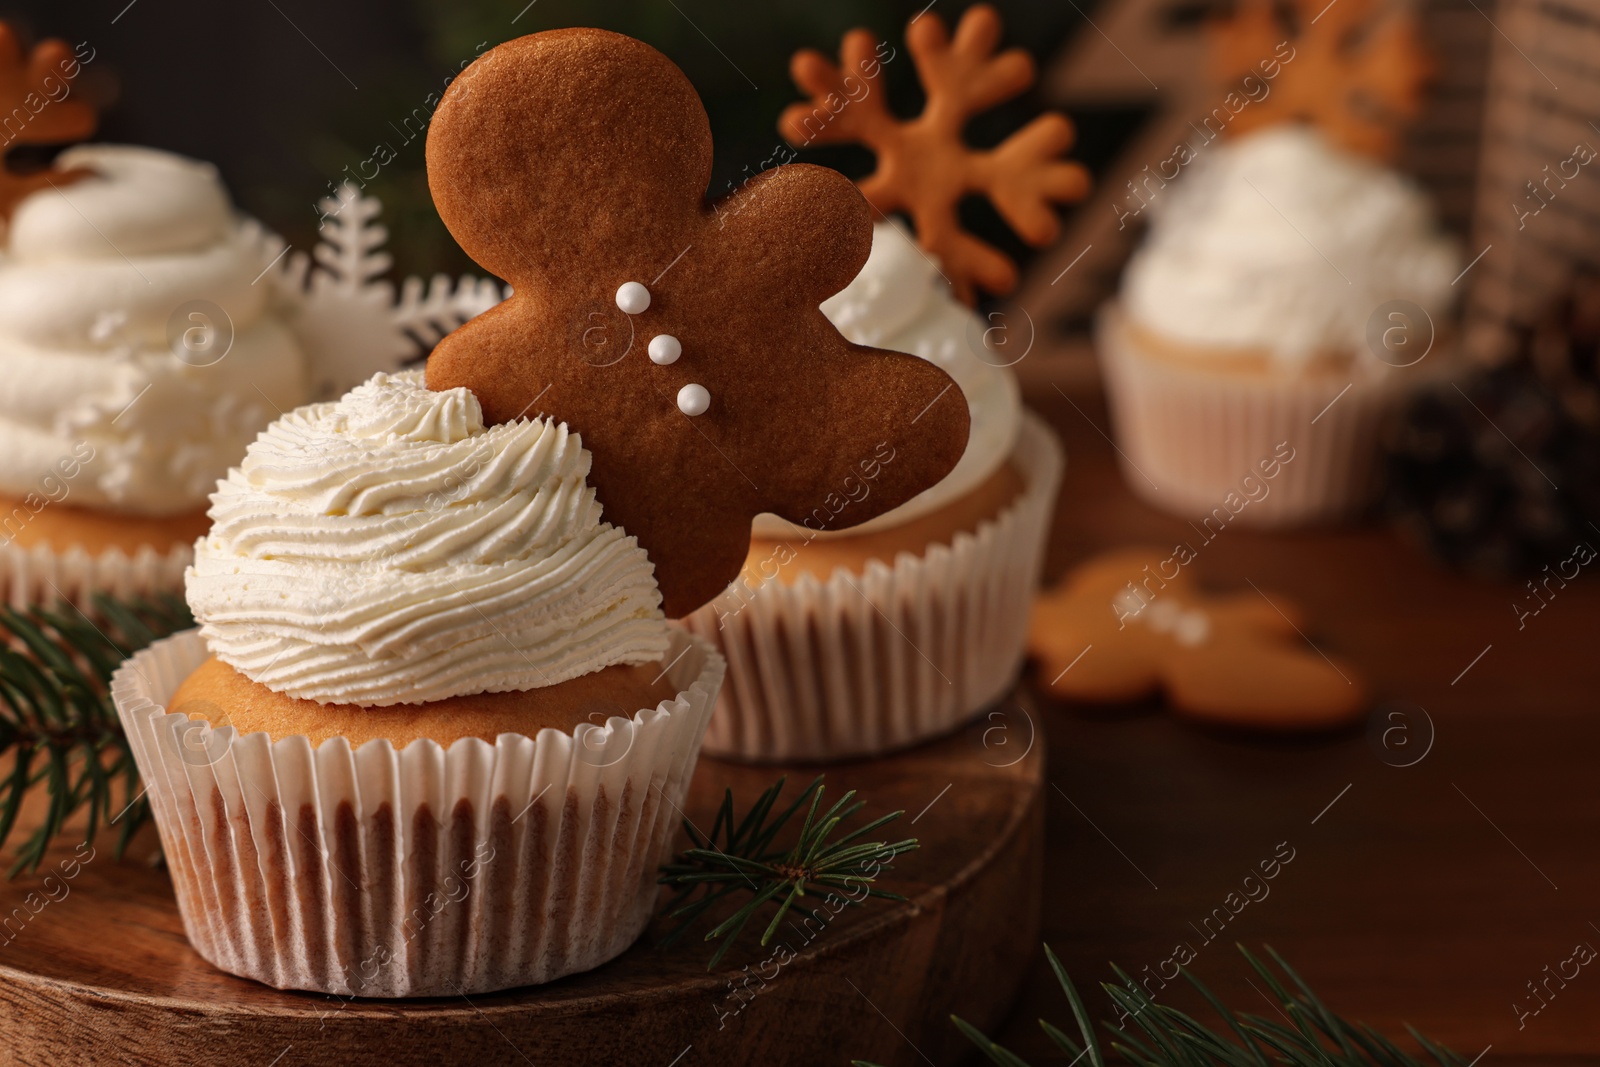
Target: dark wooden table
{"type": "Point", "coordinates": [1430, 894]}
{"type": "Point", "coordinates": [95, 968]}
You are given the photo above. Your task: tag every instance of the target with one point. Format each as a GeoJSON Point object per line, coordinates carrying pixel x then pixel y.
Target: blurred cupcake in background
{"type": "Point", "coordinates": [111, 436]}
{"type": "Point", "coordinates": [1278, 312]}
{"type": "Point", "coordinates": [148, 332]}
{"type": "Point", "coordinates": [853, 642]}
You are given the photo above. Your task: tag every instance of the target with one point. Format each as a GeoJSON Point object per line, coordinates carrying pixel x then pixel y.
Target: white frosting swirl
{"type": "Point", "coordinates": [90, 276]}
{"type": "Point", "coordinates": [389, 549]}
{"type": "Point", "coordinates": [1279, 241]}
{"type": "Point", "coordinates": [901, 302]}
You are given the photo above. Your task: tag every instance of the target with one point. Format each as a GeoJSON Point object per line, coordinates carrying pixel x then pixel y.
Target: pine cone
{"type": "Point", "coordinates": [1502, 475]}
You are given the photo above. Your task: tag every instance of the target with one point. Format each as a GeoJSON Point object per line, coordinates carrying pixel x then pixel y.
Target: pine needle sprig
{"type": "Point", "coordinates": [1163, 1036]}
{"type": "Point", "coordinates": [57, 721]}
{"type": "Point", "coordinates": [739, 857]}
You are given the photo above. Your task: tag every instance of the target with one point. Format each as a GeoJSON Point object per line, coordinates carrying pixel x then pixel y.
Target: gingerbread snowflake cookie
{"type": "Point", "coordinates": [682, 340]}
{"type": "Point", "coordinates": [1357, 70]}
{"type": "Point", "coordinates": [924, 167]}
{"type": "Point", "coordinates": [1131, 623]}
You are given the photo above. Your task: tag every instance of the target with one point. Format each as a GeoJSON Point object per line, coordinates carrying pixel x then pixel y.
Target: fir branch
{"type": "Point", "coordinates": [740, 859]}
{"type": "Point", "coordinates": [1163, 1036]}
{"type": "Point", "coordinates": [57, 721]}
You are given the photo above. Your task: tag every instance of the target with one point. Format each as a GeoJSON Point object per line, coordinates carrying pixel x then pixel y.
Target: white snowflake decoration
{"type": "Point", "coordinates": [345, 314]}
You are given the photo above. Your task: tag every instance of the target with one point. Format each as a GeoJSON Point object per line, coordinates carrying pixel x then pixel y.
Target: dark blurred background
{"type": "Point", "coordinates": [286, 95]}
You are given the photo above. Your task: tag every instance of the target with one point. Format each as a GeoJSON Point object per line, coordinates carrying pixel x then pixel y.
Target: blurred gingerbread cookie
{"type": "Point", "coordinates": [1130, 623]}
{"type": "Point", "coordinates": [924, 167]}
{"type": "Point", "coordinates": [683, 340]}
{"type": "Point", "coordinates": [35, 85]}
{"type": "Point", "coordinates": [1356, 69]}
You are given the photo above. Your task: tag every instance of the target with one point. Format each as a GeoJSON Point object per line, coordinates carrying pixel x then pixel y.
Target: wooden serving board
{"type": "Point", "coordinates": [95, 969]}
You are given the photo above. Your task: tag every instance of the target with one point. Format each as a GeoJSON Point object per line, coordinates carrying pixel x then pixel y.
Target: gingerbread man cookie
{"type": "Point", "coordinates": [1132, 622]}
{"type": "Point", "coordinates": [682, 340]}
{"type": "Point", "coordinates": [36, 88]}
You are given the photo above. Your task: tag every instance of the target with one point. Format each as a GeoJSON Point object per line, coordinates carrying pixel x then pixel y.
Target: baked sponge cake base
{"type": "Point", "coordinates": [62, 526]}
{"type": "Point", "coordinates": [786, 559]}
{"type": "Point", "coordinates": [218, 694]}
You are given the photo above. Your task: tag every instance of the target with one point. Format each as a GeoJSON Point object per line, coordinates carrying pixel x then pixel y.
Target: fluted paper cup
{"type": "Point", "coordinates": [867, 663]}
{"type": "Point", "coordinates": [43, 574]}
{"type": "Point", "coordinates": [1188, 437]}
{"type": "Point", "coordinates": [423, 871]}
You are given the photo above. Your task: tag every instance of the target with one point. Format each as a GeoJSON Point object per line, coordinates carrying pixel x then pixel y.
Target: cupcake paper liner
{"type": "Point", "coordinates": [43, 574]}
{"type": "Point", "coordinates": [1187, 439]}
{"type": "Point", "coordinates": [866, 663]}
{"type": "Point", "coordinates": [423, 871]}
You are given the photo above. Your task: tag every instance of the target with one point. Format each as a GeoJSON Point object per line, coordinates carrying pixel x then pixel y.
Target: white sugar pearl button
{"type": "Point", "coordinates": [694, 399]}
{"type": "Point", "coordinates": [664, 349]}
{"type": "Point", "coordinates": [633, 298]}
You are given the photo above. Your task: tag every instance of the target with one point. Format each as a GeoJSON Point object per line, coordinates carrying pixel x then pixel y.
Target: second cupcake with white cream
{"type": "Point", "coordinates": [854, 642]}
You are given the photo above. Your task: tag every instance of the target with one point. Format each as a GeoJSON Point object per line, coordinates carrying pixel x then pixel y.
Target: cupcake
{"type": "Point", "coordinates": [111, 440]}
{"type": "Point", "coordinates": [434, 732]}
{"type": "Point", "coordinates": [853, 642]}
{"type": "Point", "coordinates": [1282, 303]}
{"type": "Point", "coordinates": [148, 332]}
{"type": "Point", "coordinates": [441, 707]}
